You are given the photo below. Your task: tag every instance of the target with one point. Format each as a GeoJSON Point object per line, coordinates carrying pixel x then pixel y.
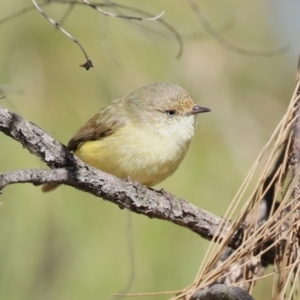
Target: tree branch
{"type": "Point", "coordinates": [69, 170]}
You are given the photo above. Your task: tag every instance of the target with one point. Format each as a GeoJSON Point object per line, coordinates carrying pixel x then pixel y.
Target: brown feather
{"type": "Point", "coordinates": [100, 126]}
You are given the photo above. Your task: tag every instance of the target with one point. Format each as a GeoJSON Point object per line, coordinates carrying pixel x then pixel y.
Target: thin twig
{"type": "Point", "coordinates": [149, 16]}
{"type": "Point", "coordinates": [95, 5]}
{"type": "Point", "coordinates": [88, 64]}
{"type": "Point", "coordinates": [108, 14]}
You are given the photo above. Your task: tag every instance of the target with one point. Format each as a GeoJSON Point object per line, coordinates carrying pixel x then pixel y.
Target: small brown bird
{"type": "Point", "coordinates": [143, 135]}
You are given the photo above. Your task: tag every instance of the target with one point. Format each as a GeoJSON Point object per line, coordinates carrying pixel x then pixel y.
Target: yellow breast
{"type": "Point", "coordinates": [130, 152]}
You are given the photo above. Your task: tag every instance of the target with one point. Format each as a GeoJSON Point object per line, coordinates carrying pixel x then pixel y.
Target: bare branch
{"type": "Point", "coordinates": [88, 64]}
{"type": "Point", "coordinates": [69, 170]}
{"type": "Point", "coordinates": [96, 6]}
{"type": "Point", "coordinates": [126, 194]}
{"type": "Point", "coordinates": [108, 14]}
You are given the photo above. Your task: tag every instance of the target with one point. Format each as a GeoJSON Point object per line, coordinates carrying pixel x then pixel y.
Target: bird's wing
{"type": "Point", "coordinates": [103, 124]}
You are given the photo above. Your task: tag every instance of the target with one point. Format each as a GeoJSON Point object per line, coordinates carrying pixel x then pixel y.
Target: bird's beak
{"type": "Point", "coordinates": [199, 109]}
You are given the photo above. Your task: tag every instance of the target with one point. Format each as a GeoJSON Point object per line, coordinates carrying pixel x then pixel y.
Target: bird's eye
{"type": "Point", "coordinates": [171, 113]}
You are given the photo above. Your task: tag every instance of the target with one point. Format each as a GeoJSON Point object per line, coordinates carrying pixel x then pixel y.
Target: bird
{"type": "Point", "coordinates": [143, 135]}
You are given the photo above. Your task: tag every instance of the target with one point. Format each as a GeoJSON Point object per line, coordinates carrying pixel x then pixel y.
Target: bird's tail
{"type": "Point", "coordinates": [48, 187]}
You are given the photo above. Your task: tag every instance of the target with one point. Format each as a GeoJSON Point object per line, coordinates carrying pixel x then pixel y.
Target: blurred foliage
{"type": "Point", "coordinates": [70, 245]}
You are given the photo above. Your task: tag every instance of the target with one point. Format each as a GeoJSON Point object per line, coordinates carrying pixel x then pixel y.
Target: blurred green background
{"type": "Point", "coordinates": [71, 245]}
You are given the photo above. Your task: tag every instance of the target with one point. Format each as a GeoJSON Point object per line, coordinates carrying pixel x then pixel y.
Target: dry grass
{"type": "Point", "coordinates": [270, 218]}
